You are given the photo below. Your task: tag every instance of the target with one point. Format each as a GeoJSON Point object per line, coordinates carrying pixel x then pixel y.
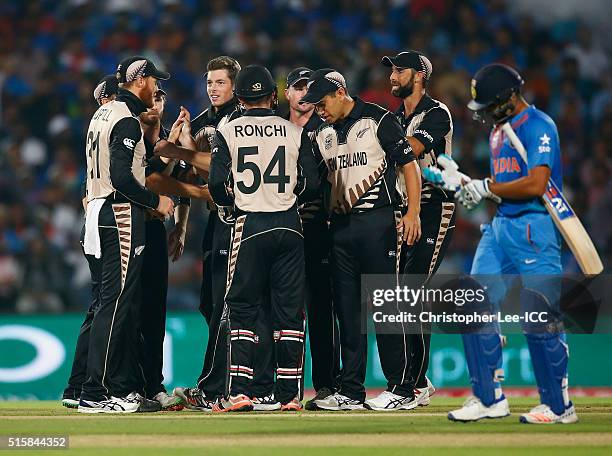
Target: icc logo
{"type": "Point", "coordinates": [328, 142]}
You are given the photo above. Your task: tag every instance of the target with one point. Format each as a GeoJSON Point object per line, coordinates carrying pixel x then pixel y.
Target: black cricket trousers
{"type": "Point", "coordinates": [424, 258]}
{"type": "Point", "coordinates": [79, 363]}
{"type": "Point", "coordinates": [154, 292]}
{"type": "Point", "coordinates": [323, 331]}
{"type": "Point", "coordinates": [112, 355]}
{"type": "Point", "coordinates": [214, 376]}
{"type": "Point", "coordinates": [365, 243]}
{"type": "Point", "coordinates": [267, 264]}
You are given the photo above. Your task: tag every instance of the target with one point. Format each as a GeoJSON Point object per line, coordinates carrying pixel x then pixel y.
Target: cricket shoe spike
{"type": "Point", "coordinates": [542, 414]}
{"type": "Point", "coordinates": [193, 399]}
{"type": "Point", "coordinates": [169, 403]}
{"type": "Point", "coordinates": [265, 404]}
{"type": "Point", "coordinates": [323, 393]}
{"type": "Point", "coordinates": [237, 403]}
{"type": "Point", "coordinates": [339, 401]}
{"type": "Point", "coordinates": [474, 410]}
{"type": "Point", "coordinates": [388, 401]}
{"type": "Point", "coordinates": [293, 405]}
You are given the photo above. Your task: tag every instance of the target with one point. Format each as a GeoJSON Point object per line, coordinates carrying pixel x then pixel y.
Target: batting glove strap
{"type": "Point", "coordinates": [490, 195]}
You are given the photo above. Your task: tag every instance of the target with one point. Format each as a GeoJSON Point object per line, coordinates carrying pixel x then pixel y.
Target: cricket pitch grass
{"type": "Point", "coordinates": [422, 431]}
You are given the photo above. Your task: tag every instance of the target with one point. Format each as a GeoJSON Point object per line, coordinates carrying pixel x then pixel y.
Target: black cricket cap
{"type": "Point", "coordinates": [134, 67]}
{"type": "Point", "coordinates": [106, 87]}
{"type": "Point", "coordinates": [254, 81]}
{"type": "Point", "coordinates": [298, 74]}
{"type": "Point", "coordinates": [410, 59]}
{"type": "Point", "coordinates": [160, 90]}
{"type": "Point", "coordinates": [321, 83]}
{"type": "Point", "coordinates": [493, 84]}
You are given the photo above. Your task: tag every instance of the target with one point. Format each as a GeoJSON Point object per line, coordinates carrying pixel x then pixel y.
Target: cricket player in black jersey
{"type": "Point", "coordinates": [105, 91]}
{"type": "Point", "coordinates": [162, 177]}
{"type": "Point", "coordinates": [154, 270]}
{"type": "Point", "coordinates": [359, 147]}
{"type": "Point", "coordinates": [429, 128]}
{"type": "Point", "coordinates": [114, 232]}
{"type": "Point", "coordinates": [322, 326]}
{"type": "Point", "coordinates": [220, 77]}
{"type": "Point", "coordinates": [261, 163]}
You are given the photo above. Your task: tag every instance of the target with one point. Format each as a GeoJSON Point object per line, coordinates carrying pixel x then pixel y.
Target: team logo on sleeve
{"type": "Point", "coordinates": [544, 144]}
{"type": "Point", "coordinates": [129, 143]}
{"type": "Point", "coordinates": [329, 139]}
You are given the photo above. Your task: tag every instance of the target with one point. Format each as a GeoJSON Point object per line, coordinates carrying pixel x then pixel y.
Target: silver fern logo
{"type": "Point", "coordinates": [135, 70]}
{"type": "Point", "coordinates": [336, 78]}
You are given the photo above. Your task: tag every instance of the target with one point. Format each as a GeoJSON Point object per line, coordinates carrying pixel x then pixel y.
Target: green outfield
{"type": "Point", "coordinates": [424, 431]}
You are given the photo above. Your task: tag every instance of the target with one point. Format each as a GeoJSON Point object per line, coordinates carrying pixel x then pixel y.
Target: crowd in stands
{"type": "Point", "coordinates": [52, 53]}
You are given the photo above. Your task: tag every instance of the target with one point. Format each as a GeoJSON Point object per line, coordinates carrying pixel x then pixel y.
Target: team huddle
{"type": "Point", "coordinates": [301, 207]}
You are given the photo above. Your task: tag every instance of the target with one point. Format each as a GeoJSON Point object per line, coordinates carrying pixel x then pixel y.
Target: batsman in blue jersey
{"type": "Point", "coordinates": [521, 239]}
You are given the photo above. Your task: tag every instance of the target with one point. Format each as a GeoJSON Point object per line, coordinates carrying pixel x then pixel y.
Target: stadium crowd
{"type": "Point", "coordinates": [53, 52]}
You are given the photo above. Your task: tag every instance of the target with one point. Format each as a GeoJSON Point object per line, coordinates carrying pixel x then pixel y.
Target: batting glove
{"type": "Point", "coordinates": [472, 193]}
{"type": "Point", "coordinates": [447, 176]}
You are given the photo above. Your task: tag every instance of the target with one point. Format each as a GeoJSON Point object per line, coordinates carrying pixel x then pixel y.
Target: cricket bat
{"type": "Point", "coordinates": [564, 217]}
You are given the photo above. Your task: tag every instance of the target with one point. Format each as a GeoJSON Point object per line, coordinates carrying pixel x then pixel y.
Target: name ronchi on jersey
{"type": "Point", "coordinates": [347, 160]}
{"type": "Point", "coordinates": [263, 131]}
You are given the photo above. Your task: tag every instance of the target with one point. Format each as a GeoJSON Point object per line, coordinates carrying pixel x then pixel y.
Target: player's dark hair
{"type": "Point", "coordinates": [271, 97]}
{"type": "Point", "coordinates": [224, 62]}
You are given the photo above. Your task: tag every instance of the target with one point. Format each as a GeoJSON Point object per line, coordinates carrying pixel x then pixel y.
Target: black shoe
{"type": "Point", "coordinates": [71, 398]}
{"type": "Point", "coordinates": [148, 406]}
{"type": "Point", "coordinates": [321, 394]}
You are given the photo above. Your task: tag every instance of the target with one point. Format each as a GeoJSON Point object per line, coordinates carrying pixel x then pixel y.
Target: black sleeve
{"type": "Point", "coordinates": [432, 128]}
{"type": "Point", "coordinates": [177, 172]}
{"type": "Point", "coordinates": [199, 123]}
{"type": "Point", "coordinates": [219, 176]}
{"type": "Point", "coordinates": [308, 177]}
{"type": "Point", "coordinates": [319, 160]}
{"type": "Point", "coordinates": [393, 141]}
{"type": "Point", "coordinates": [126, 133]}
{"type": "Point", "coordinates": [154, 164]}
{"type": "Point", "coordinates": [84, 189]}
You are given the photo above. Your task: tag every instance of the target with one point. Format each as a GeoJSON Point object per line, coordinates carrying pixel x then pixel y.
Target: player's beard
{"type": "Point", "coordinates": [147, 97]}
{"type": "Point", "coordinates": [404, 91]}
{"type": "Point", "coordinates": [150, 118]}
